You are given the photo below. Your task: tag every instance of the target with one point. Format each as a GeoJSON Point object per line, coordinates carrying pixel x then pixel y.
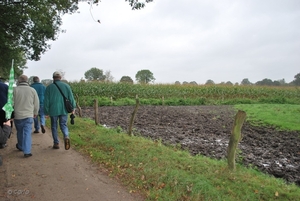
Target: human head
{"type": "Point", "coordinates": [57, 75]}
{"type": "Point", "coordinates": [22, 78]}
{"type": "Point", "coordinates": [36, 79]}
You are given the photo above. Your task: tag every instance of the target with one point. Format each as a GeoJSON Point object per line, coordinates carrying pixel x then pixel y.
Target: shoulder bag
{"type": "Point", "coordinates": [68, 105]}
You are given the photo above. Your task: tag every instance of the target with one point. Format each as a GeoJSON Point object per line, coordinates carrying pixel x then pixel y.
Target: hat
{"type": "Point", "coordinates": [57, 74]}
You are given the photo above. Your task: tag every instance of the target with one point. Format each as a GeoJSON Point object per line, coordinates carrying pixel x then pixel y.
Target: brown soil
{"type": "Point", "coordinates": [206, 130]}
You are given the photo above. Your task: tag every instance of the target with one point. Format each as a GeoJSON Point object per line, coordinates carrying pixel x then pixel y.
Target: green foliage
{"type": "Point", "coordinates": [94, 74]}
{"type": "Point", "coordinates": [29, 25]}
{"type": "Point", "coordinates": [159, 94]}
{"type": "Point", "coordinates": [144, 77]}
{"type": "Point", "coordinates": [296, 81]}
{"type": "Point", "coordinates": [126, 79]}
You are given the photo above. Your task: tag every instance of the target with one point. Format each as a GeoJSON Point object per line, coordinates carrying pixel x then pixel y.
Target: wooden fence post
{"type": "Point", "coordinates": [96, 112]}
{"type": "Point", "coordinates": [78, 106]}
{"type": "Point", "coordinates": [133, 116]}
{"type": "Point", "coordinates": [235, 138]}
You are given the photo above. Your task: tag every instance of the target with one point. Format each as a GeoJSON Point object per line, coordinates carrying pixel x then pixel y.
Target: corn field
{"type": "Point", "coordinates": [110, 93]}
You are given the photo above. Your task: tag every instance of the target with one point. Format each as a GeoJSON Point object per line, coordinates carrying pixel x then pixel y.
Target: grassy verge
{"type": "Point", "coordinates": [168, 173]}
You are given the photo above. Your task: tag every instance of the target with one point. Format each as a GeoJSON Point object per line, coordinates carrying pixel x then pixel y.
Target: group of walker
{"type": "Point", "coordinates": [33, 104]}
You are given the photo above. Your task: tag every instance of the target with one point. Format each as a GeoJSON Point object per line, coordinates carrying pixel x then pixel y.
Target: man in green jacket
{"type": "Point", "coordinates": [55, 108]}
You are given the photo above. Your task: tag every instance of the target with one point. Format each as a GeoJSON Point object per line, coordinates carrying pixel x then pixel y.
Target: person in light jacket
{"type": "Point", "coordinates": [26, 107]}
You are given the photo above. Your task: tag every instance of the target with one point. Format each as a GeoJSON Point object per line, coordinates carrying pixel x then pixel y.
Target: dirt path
{"type": "Point", "coordinates": [54, 175]}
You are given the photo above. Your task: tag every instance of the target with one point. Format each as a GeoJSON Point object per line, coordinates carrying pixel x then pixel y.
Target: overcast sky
{"type": "Point", "coordinates": [190, 40]}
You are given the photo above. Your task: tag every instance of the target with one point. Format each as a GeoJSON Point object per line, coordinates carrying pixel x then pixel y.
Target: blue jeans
{"type": "Point", "coordinates": [24, 128]}
{"type": "Point", "coordinates": [41, 115]}
{"type": "Point", "coordinates": [62, 119]}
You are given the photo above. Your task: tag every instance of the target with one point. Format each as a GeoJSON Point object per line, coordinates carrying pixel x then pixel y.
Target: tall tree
{"type": "Point", "coordinates": [144, 77]}
{"type": "Point", "coordinates": [94, 74]}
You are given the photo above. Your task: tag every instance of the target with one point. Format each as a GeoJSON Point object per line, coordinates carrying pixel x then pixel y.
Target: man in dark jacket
{"type": "Point", "coordinates": [55, 108]}
{"type": "Point", "coordinates": [40, 119]}
{"type": "Point", "coordinates": [3, 100]}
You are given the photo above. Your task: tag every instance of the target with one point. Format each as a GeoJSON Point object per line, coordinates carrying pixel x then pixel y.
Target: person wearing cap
{"type": "Point", "coordinates": [40, 119]}
{"type": "Point", "coordinates": [26, 107]}
{"type": "Point", "coordinates": [55, 108]}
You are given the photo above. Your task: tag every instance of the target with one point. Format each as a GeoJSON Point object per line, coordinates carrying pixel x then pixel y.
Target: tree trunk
{"type": "Point", "coordinates": [235, 138]}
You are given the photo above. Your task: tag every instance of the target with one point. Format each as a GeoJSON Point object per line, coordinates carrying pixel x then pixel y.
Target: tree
{"type": "Point", "coordinates": [26, 27]}
{"type": "Point", "coordinates": [94, 74]}
{"type": "Point", "coordinates": [296, 81]}
{"type": "Point", "coordinates": [193, 83]}
{"type": "Point", "coordinates": [246, 81]}
{"type": "Point", "coordinates": [108, 76]}
{"type": "Point", "coordinates": [126, 79]}
{"type": "Point", "coordinates": [177, 83]}
{"type": "Point", "coordinates": [144, 77]}
{"type": "Point", "coordinates": [210, 82]}
{"type": "Point", "coordinates": [229, 83]}
{"type": "Point", "coordinates": [266, 82]}
{"type": "Point", "coordinates": [6, 62]}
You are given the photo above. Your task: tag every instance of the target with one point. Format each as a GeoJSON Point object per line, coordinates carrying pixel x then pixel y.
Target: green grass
{"type": "Point", "coordinates": [166, 173]}
{"type": "Point", "coordinates": [283, 116]}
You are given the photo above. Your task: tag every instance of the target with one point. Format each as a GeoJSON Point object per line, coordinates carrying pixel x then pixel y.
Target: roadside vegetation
{"type": "Point", "coordinates": [162, 94]}
{"type": "Point", "coordinates": [162, 172]}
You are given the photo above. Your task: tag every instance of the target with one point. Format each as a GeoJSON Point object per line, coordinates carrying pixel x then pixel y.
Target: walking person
{"type": "Point", "coordinates": [39, 121]}
{"type": "Point", "coordinates": [4, 135]}
{"type": "Point", "coordinates": [26, 107]}
{"type": "Point", "coordinates": [54, 107]}
{"type": "Point", "coordinates": [3, 100]}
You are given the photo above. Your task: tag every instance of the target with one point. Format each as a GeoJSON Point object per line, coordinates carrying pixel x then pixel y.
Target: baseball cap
{"type": "Point", "coordinates": [56, 73]}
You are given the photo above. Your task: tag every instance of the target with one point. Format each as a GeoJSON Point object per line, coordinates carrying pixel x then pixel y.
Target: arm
{"type": "Point", "coordinates": [5, 132]}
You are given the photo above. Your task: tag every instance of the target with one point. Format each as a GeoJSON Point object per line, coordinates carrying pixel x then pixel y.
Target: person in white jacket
{"type": "Point", "coordinates": [26, 107]}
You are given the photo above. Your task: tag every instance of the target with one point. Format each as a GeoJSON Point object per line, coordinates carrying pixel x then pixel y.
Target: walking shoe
{"type": "Point", "coordinates": [18, 147]}
{"type": "Point", "coordinates": [36, 131]}
{"type": "Point", "coordinates": [56, 146]}
{"type": "Point", "coordinates": [67, 143]}
{"type": "Point", "coordinates": [27, 155]}
{"type": "Point", "coordinates": [43, 129]}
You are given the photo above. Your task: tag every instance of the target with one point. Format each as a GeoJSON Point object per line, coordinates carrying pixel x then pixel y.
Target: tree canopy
{"type": "Point", "coordinates": [26, 27]}
{"type": "Point", "coordinates": [144, 77]}
{"type": "Point", "coordinates": [94, 74]}
{"type": "Point", "coordinates": [126, 79]}
{"type": "Point", "coordinates": [296, 81]}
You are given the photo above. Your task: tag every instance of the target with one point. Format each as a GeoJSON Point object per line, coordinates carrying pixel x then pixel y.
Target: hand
{"type": "Point", "coordinates": [7, 123]}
